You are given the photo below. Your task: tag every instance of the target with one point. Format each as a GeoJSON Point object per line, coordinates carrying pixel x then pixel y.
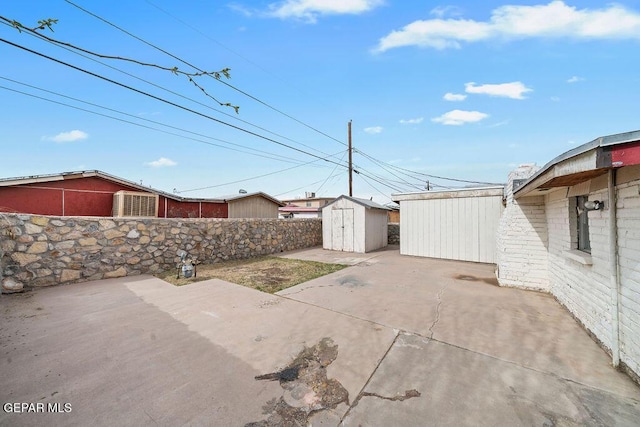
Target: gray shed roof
{"type": "Point", "coordinates": [238, 196]}
{"type": "Point", "coordinates": [369, 204]}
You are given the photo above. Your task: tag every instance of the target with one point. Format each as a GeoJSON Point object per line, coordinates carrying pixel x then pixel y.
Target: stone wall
{"type": "Point", "coordinates": [393, 230]}
{"type": "Point", "coordinates": [45, 250]}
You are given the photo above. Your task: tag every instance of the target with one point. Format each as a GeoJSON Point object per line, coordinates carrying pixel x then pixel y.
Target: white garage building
{"type": "Point", "coordinates": [452, 224]}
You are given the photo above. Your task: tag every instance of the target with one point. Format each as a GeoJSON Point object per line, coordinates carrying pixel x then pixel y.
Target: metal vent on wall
{"type": "Point", "coordinates": [130, 203]}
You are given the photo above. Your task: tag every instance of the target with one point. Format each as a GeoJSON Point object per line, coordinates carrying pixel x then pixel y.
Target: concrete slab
{"type": "Point", "coordinates": [419, 342]}
{"type": "Point", "coordinates": [138, 350]}
{"type": "Point", "coordinates": [453, 386]}
{"type": "Point", "coordinates": [460, 303]}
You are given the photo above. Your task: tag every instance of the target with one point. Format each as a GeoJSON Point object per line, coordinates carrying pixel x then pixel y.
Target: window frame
{"type": "Point", "coordinates": [583, 240]}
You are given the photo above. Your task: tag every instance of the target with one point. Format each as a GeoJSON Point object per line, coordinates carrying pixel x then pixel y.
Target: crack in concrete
{"type": "Point", "coordinates": [437, 319]}
{"type": "Point", "coordinates": [408, 394]}
{"type": "Point", "coordinates": [361, 394]}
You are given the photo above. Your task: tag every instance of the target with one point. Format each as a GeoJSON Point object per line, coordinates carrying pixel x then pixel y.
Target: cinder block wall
{"type": "Point", "coordinates": [522, 238]}
{"type": "Point", "coordinates": [45, 250]}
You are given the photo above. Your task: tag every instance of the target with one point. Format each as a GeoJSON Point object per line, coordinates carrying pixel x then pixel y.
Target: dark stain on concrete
{"type": "Point", "coordinates": [489, 280]}
{"type": "Point", "coordinates": [352, 282]}
{"type": "Point", "coordinates": [307, 389]}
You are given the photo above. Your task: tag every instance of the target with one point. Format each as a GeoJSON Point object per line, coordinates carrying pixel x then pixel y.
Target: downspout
{"type": "Point", "coordinates": [63, 202]}
{"type": "Point", "coordinates": [615, 270]}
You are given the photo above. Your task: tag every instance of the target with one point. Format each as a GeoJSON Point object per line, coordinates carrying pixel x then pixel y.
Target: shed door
{"type": "Point", "coordinates": [342, 230]}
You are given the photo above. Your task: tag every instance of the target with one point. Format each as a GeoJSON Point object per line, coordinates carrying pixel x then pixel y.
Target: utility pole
{"type": "Point", "coordinates": [350, 163]}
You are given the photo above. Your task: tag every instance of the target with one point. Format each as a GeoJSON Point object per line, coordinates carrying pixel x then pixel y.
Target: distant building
{"type": "Point", "coordinates": [96, 193]}
{"type": "Point", "coordinates": [293, 211]}
{"type": "Point", "coordinates": [309, 201]}
{"type": "Point", "coordinates": [309, 206]}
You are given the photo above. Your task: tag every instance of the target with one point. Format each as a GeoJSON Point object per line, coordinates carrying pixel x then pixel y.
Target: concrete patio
{"type": "Point", "coordinates": [417, 342]}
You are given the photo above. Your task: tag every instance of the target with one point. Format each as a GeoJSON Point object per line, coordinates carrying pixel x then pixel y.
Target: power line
{"type": "Point", "coordinates": [202, 71]}
{"type": "Point", "coordinates": [248, 179]}
{"type": "Point", "coordinates": [166, 101]}
{"type": "Point", "coordinates": [234, 117]}
{"type": "Point", "coordinates": [305, 186]}
{"type": "Point", "coordinates": [434, 176]}
{"type": "Point", "coordinates": [265, 154]}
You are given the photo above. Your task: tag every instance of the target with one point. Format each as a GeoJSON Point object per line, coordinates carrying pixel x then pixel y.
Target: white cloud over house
{"type": "Point", "coordinates": [554, 20]}
{"type": "Point", "coordinates": [513, 90]}
{"type": "Point", "coordinates": [575, 79]}
{"type": "Point", "coordinates": [373, 130]}
{"type": "Point", "coordinates": [309, 10]}
{"type": "Point", "coordinates": [454, 97]}
{"type": "Point", "coordinates": [71, 136]}
{"type": "Point", "coordinates": [460, 117]}
{"type": "Point", "coordinates": [415, 121]}
{"type": "Point", "coordinates": [161, 162]}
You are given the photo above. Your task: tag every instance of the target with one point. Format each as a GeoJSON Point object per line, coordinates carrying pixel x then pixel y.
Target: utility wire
{"type": "Point", "coordinates": [434, 176]}
{"type": "Point", "coordinates": [140, 125]}
{"type": "Point", "coordinates": [249, 179]}
{"type": "Point", "coordinates": [304, 186]}
{"type": "Point", "coordinates": [166, 101]}
{"type": "Point", "coordinates": [202, 71]}
{"type": "Point", "coordinates": [234, 117]}
{"type": "Point", "coordinates": [264, 154]}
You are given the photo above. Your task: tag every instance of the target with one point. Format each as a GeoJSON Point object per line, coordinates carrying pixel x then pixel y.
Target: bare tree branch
{"type": "Point", "coordinates": [48, 24]}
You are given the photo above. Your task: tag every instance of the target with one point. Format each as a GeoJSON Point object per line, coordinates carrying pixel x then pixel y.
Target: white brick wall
{"type": "Point", "coordinates": [535, 242]}
{"type": "Point", "coordinates": [583, 289]}
{"type": "Point", "coordinates": [522, 239]}
{"type": "Point", "coordinates": [629, 258]}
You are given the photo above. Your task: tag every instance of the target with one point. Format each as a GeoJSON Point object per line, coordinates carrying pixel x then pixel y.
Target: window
{"type": "Point", "coordinates": [308, 204]}
{"type": "Point", "coordinates": [583, 224]}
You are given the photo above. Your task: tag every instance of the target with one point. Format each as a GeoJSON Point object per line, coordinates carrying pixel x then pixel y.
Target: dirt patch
{"type": "Point", "coordinates": [306, 388]}
{"type": "Point", "coordinates": [489, 280]}
{"type": "Point", "coordinates": [267, 274]}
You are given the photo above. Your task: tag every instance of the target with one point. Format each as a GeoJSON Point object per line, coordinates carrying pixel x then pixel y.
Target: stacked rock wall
{"type": "Point", "coordinates": [45, 250]}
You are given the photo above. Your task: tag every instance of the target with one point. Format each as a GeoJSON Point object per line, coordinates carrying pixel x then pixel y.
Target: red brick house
{"type": "Point", "coordinates": [95, 193]}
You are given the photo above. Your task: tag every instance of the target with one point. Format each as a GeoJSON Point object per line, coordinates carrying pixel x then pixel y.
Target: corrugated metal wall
{"type": "Point", "coordinates": [451, 228]}
{"type": "Point", "coordinates": [253, 207]}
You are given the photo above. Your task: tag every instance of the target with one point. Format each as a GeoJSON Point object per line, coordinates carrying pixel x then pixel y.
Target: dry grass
{"type": "Point", "coordinates": [267, 274]}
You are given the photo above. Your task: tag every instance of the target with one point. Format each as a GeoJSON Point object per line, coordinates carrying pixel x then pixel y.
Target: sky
{"type": "Point", "coordinates": [444, 95]}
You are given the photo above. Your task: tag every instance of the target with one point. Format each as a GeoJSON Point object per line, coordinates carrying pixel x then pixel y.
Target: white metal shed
{"type": "Point", "coordinates": [350, 224]}
{"type": "Point", "coordinates": [453, 224]}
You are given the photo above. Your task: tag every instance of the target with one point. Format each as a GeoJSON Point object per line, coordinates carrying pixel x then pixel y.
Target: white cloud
{"type": "Point", "coordinates": [555, 98]}
{"type": "Point", "coordinates": [553, 20]}
{"type": "Point", "coordinates": [454, 96]}
{"type": "Point", "coordinates": [161, 162]}
{"type": "Point", "coordinates": [460, 117]}
{"type": "Point", "coordinates": [442, 11]}
{"type": "Point", "coordinates": [71, 136]}
{"type": "Point", "coordinates": [412, 121]}
{"type": "Point", "coordinates": [309, 10]}
{"type": "Point", "coordinates": [575, 79]}
{"type": "Point", "coordinates": [373, 129]}
{"type": "Point", "coordinates": [513, 90]}
{"type": "Point", "coordinates": [499, 124]}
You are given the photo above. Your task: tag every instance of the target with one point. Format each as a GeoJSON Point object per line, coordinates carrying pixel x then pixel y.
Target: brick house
{"type": "Point", "coordinates": [572, 228]}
